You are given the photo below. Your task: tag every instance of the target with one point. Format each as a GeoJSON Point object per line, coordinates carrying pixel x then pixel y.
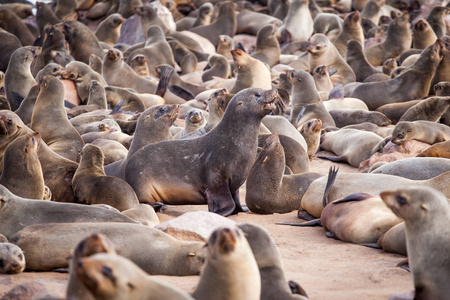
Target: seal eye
{"type": "Point", "coordinates": [162, 110]}
{"type": "Point", "coordinates": [401, 200]}
{"type": "Point", "coordinates": [258, 95]}
{"type": "Point", "coordinates": [9, 121]}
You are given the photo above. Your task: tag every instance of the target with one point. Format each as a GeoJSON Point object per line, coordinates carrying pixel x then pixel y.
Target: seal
{"type": "Point", "coordinates": [268, 189]}
{"type": "Point", "coordinates": [436, 20]}
{"type": "Point", "coordinates": [372, 10]}
{"type": "Point", "coordinates": [218, 67]}
{"type": "Point", "coordinates": [351, 30]}
{"type": "Point", "coordinates": [219, 189]}
{"type": "Point", "coordinates": [322, 52]}
{"type": "Point", "coordinates": [14, 24]}
{"type": "Point", "coordinates": [426, 213]}
{"type": "Point", "coordinates": [344, 117]}
{"type": "Point", "coordinates": [172, 257]}
{"type": "Point", "coordinates": [273, 279]}
{"type": "Point", "coordinates": [424, 131]}
{"type": "Point", "coordinates": [357, 60]}
{"type": "Point", "coordinates": [250, 21]}
{"type": "Point", "coordinates": [397, 41]}
{"type": "Point", "coordinates": [108, 31]}
{"type": "Point", "coordinates": [281, 126]}
{"type": "Point", "coordinates": [430, 109]}
{"type": "Point", "coordinates": [92, 186]}
{"type": "Point", "coordinates": [112, 150]}
{"type": "Point", "coordinates": [267, 46]}
{"type": "Point", "coordinates": [298, 16]}
{"type": "Point", "coordinates": [400, 89]}
{"type": "Point", "coordinates": [415, 168]}
{"type": "Point", "coordinates": [111, 276]}
{"type": "Point", "coordinates": [22, 172]}
{"type": "Point", "coordinates": [251, 72]}
{"type": "Point", "coordinates": [96, 64]}
{"type": "Point", "coordinates": [437, 150]}
{"type": "Point", "coordinates": [322, 80]}
{"type": "Point", "coordinates": [311, 132]}
{"type": "Point", "coordinates": [49, 118]}
{"type": "Point", "coordinates": [394, 240]}
{"type": "Point", "coordinates": [394, 111]}
{"type": "Point", "coordinates": [226, 44]}
{"type": "Point", "coordinates": [139, 65]}
{"type": "Point", "coordinates": [10, 43]}
{"type": "Point", "coordinates": [44, 16]}
{"type": "Point", "coordinates": [340, 143]}
{"type": "Point", "coordinates": [227, 252]}
{"type": "Point", "coordinates": [15, 213]}
{"type": "Point", "coordinates": [12, 259]}
{"type": "Point", "coordinates": [194, 121]}
{"type": "Point", "coordinates": [183, 57]}
{"type": "Point", "coordinates": [93, 244]}
{"type": "Point", "coordinates": [18, 77]}
{"type": "Point", "coordinates": [423, 34]}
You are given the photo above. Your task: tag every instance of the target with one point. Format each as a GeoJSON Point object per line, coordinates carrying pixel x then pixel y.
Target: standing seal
{"type": "Point", "coordinates": [197, 176]}
{"type": "Point", "coordinates": [11, 258]}
{"type": "Point", "coordinates": [427, 224]}
{"type": "Point", "coordinates": [423, 34]}
{"type": "Point", "coordinates": [49, 118]}
{"type": "Point", "coordinates": [22, 172]}
{"type": "Point", "coordinates": [298, 16]}
{"type": "Point", "coordinates": [92, 186]}
{"type": "Point", "coordinates": [108, 31]}
{"type": "Point", "coordinates": [357, 60]}
{"type": "Point", "coordinates": [228, 254]}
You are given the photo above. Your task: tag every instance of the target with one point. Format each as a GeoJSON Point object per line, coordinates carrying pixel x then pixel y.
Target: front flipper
{"type": "Point", "coordinates": [238, 207]}
{"type": "Point", "coordinates": [220, 200]}
{"type": "Point", "coordinates": [334, 158]}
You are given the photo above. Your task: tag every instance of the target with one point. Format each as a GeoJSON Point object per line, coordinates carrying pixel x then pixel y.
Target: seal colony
{"type": "Point", "coordinates": [120, 111]}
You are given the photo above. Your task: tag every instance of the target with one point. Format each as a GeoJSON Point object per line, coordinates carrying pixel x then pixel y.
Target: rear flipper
{"type": "Point", "coordinates": [165, 74]}
{"type": "Point", "coordinates": [332, 173]}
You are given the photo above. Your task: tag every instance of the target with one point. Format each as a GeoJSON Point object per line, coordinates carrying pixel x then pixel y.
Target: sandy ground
{"type": "Point", "coordinates": [325, 268]}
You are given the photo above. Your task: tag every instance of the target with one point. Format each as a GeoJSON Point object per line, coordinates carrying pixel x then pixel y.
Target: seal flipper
{"type": "Point", "coordinates": [332, 173]}
{"type": "Point", "coordinates": [372, 245]}
{"type": "Point", "coordinates": [340, 158]}
{"type": "Point", "coordinates": [165, 76]}
{"type": "Point", "coordinates": [304, 215]}
{"type": "Point", "coordinates": [337, 92]}
{"type": "Point", "coordinates": [331, 235]}
{"type": "Point", "coordinates": [220, 200]}
{"type": "Point", "coordinates": [312, 223]}
{"type": "Point", "coordinates": [118, 107]}
{"type": "Point", "coordinates": [353, 197]}
{"type": "Point", "coordinates": [181, 92]}
{"type": "Point", "coordinates": [296, 289]}
{"type": "Point", "coordinates": [238, 207]}
{"type": "Point", "coordinates": [69, 104]}
{"type": "Point", "coordinates": [404, 264]}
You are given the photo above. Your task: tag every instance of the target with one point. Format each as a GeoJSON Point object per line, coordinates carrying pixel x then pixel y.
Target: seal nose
{"type": "Point", "coordinates": [80, 264]}
{"type": "Point", "coordinates": [15, 264]}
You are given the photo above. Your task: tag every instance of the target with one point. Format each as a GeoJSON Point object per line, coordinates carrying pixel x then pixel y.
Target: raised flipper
{"type": "Point", "coordinates": [165, 75]}
{"type": "Point", "coordinates": [332, 173]}
{"type": "Point", "coordinates": [296, 289]}
{"type": "Point", "coordinates": [353, 197]}
{"type": "Point", "coordinates": [181, 92]}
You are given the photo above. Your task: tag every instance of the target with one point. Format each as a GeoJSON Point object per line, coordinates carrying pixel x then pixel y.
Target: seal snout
{"type": "Point", "coordinates": [226, 240]}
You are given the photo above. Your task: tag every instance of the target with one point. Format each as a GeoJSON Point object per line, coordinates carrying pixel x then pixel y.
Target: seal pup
{"type": "Point", "coordinates": [426, 213]}
{"type": "Point", "coordinates": [12, 259]}
{"type": "Point", "coordinates": [298, 16]}
{"type": "Point", "coordinates": [114, 277]}
{"type": "Point", "coordinates": [223, 180]}
{"type": "Point", "coordinates": [18, 77]}
{"type": "Point", "coordinates": [311, 132]}
{"type": "Point", "coordinates": [252, 73]}
{"type": "Point", "coordinates": [322, 80]}
{"type": "Point", "coordinates": [92, 186]}
{"type": "Point", "coordinates": [267, 46]}
{"type": "Point", "coordinates": [226, 44]}
{"type": "Point", "coordinates": [194, 121]}
{"type": "Point", "coordinates": [22, 172]}
{"type": "Point", "coordinates": [423, 34]}
{"type": "Point", "coordinates": [425, 131]}
{"type": "Point", "coordinates": [268, 258]}
{"type": "Point", "coordinates": [357, 60]}
{"type": "Point", "coordinates": [218, 66]}
{"type": "Point", "coordinates": [322, 52]}
{"type": "Point", "coordinates": [399, 89]}
{"type": "Point", "coordinates": [268, 189]}
{"type": "Point", "coordinates": [108, 31]}
{"type": "Point", "coordinates": [228, 253]}
{"type": "Point", "coordinates": [397, 41]}
{"type": "Point", "coordinates": [49, 119]}
{"type": "Point", "coordinates": [139, 65]}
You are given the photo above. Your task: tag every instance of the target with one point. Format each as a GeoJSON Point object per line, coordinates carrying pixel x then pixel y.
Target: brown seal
{"type": "Point", "coordinates": [344, 117]}
{"type": "Point", "coordinates": [357, 60]}
{"type": "Point", "coordinates": [228, 252]}
{"type": "Point", "coordinates": [351, 30]}
{"type": "Point", "coordinates": [372, 10]}
{"type": "Point", "coordinates": [10, 43]}
{"type": "Point", "coordinates": [18, 77]}
{"type": "Point", "coordinates": [268, 189]}
{"type": "Point", "coordinates": [273, 281]}
{"type": "Point", "coordinates": [311, 132]}
{"type": "Point", "coordinates": [183, 57]}
{"type": "Point", "coordinates": [218, 66]}
{"type": "Point", "coordinates": [12, 23]}
{"type": "Point", "coordinates": [426, 213]}
{"type": "Point", "coordinates": [250, 21]}
{"type": "Point", "coordinates": [267, 46]}
{"type": "Point", "coordinates": [194, 121]}
{"type": "Point", "coordinates": [172, 256]}
{"type": "Point", "coordinates": [44, 16]}
{"type": "Point", "coordinates": [22, 172]}
{"type": "Point", "coordinates": [21, 9]}
{"type": "Point", "coordinates": [425, 131]}
{"type": "Point", "coordinates": [226, 44]}
{"type": "Point", "coordinates": [112, 150]}
{"type": "Point", "coordinates": [322, 80]}
{"type": "Point", "coordinates": [111, 276]}
{"type": "Point", "coordinates": [139, 65]}
{"type": "Point", "coordinates": [436, 20]}
{"type": "Point", "coordinates": [398, 40]}
{"type": "Point", "coordinates": [96, 64]}
{"type": "Point", "coordinates": [430, 109]}
{"type": "Point", "coordinates": [108, 31]}
{"type": "Point", "coordinates": [441, 149]}
{"type": "Point", "coordinates": [394, 111]}
{"type": "Point", "coordinates": [416, 168]}
{"type": "Point", "coordinates": [443, 70]}
{"type": "Point", "coordinates": [12, 259]}
{"type": "Point", "coordinates": [92, 186]}
{"type": "Point", "coordinates": [298, 16]}
{"type": "Point", "coordinates": [223, 180]}
{"type": "Point", "coordinates": [423, 34]}
{"type": "Point", "coordinates": [394, 241]}
{"type": "Point", "coordinates": [49, 118]}
{"type": "Point", "coordinates": [400, 89]}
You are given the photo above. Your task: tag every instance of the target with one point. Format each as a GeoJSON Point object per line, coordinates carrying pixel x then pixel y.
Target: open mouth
{"type": "Point", "coordinates": [274, 102]}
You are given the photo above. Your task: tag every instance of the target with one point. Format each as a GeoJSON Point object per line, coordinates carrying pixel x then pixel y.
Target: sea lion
{"type": "Point", "coordinates": [194, 120]}
{"type": "Point", "coordinates": [322, 52]}
{"type": "Point", "coordinates": [218, 66]}
{"type": "Point", "coordinates": [344, 117]}
{"type": "Point", "coordinates": [357, 60]}
{"type": "Point", "coordinates": [251, 72]}
{"type": "Point", "coordinates": [298, 16]}
{"type": "Point", "coordinates": [425, 131]}
{"type": "Point", "coordinates": [227, 252]}
{"type": "Point", "coordinates": [103, 125]}
{"type": "Point", "coordinates": [52, 69]}
{"type": "Point", "coordinates": [343, 144]}
{"type": "Point", "coordinates": [415, 168]}
{"type": "Point", "coordinates": [430, 109]}
{"type": "Point", "coordinates": [82, 41]}
{"type": "Point", "coordinates": [22, 173]}
{"type": "Point", "coordinates": [171, 256]}
{"type": "Point", "coordinates": [399, 89]}
{"type": "Point", "coordinates": [111, 276]}
{"type": "Point", "coordinates": [394, 111]}
{"type": "Point", "coordinates": [49, 119]}
{"type": "Point", "coordinates": [268, 258]}
{"type": "Point", "coordinates": [398, 40]}
{"type": "Point", "coordinates": [217, 103]}
{"type": "Point", "coordinates": [11, 258]}
{"type": "Point", "coordinates": [351, 30]}
{"type": "Point", "coordinates": [14, 213]}
{"type": "Point", "coordinates": [436, 20]}
{"type": "Point", "coordinates": [388, 66]}
{"type": "Point", "coordinates": [437, 150]}
{"type": "Point", "coordinates": [12, 23]}
{"type": "Point", "coordinates": [224, 24]}
{"type": "Point", "coordinates": [423, 34]}
{"type": "Point", "coordinates": [442, 88]}
{"type": "Point", "coordinates": [93, 244]}
{"type": "Point", "coordinates": [92, 186]}
{"type": "Point", "coordinates": [226, 44]}
{"type": "Point", "coordinates": [222, 192]}
{"type": "Point", "coordinates": [267, 46]}
{"type": "Point", "coordinates": [426, 212]}
{"type": "Point", "coordinates": [18, 77]}
{"type": "Point", "coordinates": [311, 133]}
{"type": "Point", "coordinates": [108, 31]}
{"type": "Point", "coordinates": [268, 190]}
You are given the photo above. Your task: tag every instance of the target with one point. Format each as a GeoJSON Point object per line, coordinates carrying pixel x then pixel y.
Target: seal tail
{"type": "Point", "coordinates": [332, 173]}
{"type": "Point", "coordinates": [164, 80]}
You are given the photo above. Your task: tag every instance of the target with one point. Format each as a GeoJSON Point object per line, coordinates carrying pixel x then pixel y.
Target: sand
{"type": "Point", "coordinates": [325, 268]}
